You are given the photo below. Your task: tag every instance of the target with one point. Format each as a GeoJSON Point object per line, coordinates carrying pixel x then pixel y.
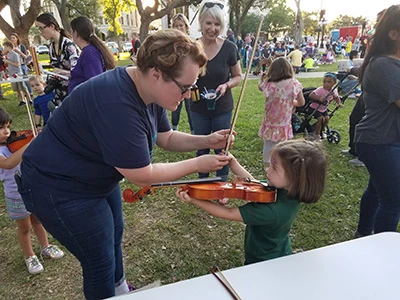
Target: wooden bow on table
{"type": "Point", "coordinates": [222, 279]}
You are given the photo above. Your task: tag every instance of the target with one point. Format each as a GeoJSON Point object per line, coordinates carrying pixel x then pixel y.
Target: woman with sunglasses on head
{"type": "Point", "coordinates": [223, 73]}
{"type": "Point", "coordinates": [63, 52]}
{"type": "Point", "coordinates": [107, 129]}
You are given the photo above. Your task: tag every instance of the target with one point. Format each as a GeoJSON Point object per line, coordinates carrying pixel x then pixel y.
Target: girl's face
{"type": "Point", "coordinates": [210, 28]}
{"type": "Point", "coordinates": [329, 82]}
{"type": "Point", "coordinates": [276, 174]}
{"type": "Point", "coordinates": [4, 133]}
{"type": "Point", "coordinates": [180, 25]}
{"type": "Point", "coordinates": [37, 87]}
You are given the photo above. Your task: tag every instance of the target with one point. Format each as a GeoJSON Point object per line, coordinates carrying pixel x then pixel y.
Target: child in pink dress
{"type": "Point", "coordinates": [282, 92]}
{"type": "Point", "coordinates": [324, 94]}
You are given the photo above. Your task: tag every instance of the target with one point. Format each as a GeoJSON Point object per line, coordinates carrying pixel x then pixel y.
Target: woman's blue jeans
{"type": "Point", "coordinates": [206, 124]}
{"type": "Point", "coordinates": [90, 228]}
{"type": "Point", "coordinates": [380, 203]}
{"type": "Point", "coordinates": [176, 115]}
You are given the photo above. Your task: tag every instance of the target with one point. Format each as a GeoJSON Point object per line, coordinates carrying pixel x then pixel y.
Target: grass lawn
{"type": "Point", "coordinates": [172, 241]}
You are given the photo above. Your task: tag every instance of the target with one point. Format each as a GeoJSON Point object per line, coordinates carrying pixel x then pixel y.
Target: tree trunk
{"type": "Point", "coordinates": [63, 11]}
{"type": "Point", "coordinates": [21, 23]}
{"type": "Point", "coordinates": [299, 25]}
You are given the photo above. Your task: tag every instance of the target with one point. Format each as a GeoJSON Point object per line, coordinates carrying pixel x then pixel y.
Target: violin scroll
{"type": "Point", "coordinates": [130, 196]}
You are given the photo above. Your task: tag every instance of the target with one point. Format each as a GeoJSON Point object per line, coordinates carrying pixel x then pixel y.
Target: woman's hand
{"type": "Point", "coordinates": [218, 139]}
{"type": "Point", "coordinates": [222, 88]}
{"type": "Point", "coordinates": [211, 162]}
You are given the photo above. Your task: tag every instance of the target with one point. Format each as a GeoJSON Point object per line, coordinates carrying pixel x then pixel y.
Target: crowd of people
{"type": "Point", "coordinates": [84, 192]}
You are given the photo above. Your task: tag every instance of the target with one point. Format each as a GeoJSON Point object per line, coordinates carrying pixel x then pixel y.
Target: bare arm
{"type": "Point", "coordinates": [13, 63]}
{"type": "Point", "coordinates": [212, 208]}
{"type": "Point", "coordinates": [13, 160]}
{"type": "Point", "coordinates": [299, 101]}
{"type": "Point", "coordinates": [176, 141]}
{"type": "Point", "coordinates": [166, 172]}
{"type": "Point", "coordinates": [236, 78]}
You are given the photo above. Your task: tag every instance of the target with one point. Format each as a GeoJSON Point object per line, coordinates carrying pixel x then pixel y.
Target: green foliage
{"type": "Point", "coordinates": [279, 19]}
{"type": "Point", "coordinates": [112, 12]}
{"type": "Point", "coordinates": [310, 20]}
{"type": "Point", "coordinates": [344, 21]}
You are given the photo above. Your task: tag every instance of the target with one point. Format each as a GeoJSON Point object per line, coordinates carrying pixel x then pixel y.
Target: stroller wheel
{"type": "Point", "coordinates": [334, 137]}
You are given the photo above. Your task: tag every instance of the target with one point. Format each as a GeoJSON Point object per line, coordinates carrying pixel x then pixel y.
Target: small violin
{"type": "Point", "coordinates": [209, 189]}
{"type": "Point", "coordinates": [18, 139]}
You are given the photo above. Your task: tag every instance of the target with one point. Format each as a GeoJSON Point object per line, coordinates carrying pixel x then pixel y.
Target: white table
{"type": "Point", "coordinates": [366, 268]}
{"type": "Point", "coordinates": [12, 79]}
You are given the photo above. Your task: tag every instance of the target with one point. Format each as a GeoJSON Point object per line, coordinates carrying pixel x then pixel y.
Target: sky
{"type": "Point", "coordinates": [334, 8]}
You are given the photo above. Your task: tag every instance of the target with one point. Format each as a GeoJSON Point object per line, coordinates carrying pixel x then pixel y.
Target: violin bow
{"type": "Point", "coordinates": [31, 120]}
{"type": "Point", "coordinates": [224, 281]}
{"type": "Point", "coordinates": [235, 116]}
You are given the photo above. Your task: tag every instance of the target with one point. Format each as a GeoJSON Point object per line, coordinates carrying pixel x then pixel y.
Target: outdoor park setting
{"type": "Point", "coordinates": [167, 241]}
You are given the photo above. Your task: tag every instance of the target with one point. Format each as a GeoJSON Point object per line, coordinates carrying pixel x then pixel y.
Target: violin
{"type": "Point", "coordinates": [18, 139]}
{"type": "Point", "coordinates": [208, 189]}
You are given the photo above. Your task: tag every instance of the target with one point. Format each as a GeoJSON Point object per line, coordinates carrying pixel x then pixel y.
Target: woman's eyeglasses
{"type": "Point", "coordinates": [212, 4]}
{"type": "Point", "coordinates": [41, 28]}
{"type": "Point", "coordinates": [184, 89]}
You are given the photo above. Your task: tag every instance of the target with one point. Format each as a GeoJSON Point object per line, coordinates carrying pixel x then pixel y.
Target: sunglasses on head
{"type": "Point", "coordinates": [212, 4]}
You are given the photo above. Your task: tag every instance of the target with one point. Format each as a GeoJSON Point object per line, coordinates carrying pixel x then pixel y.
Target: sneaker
{"type": "Point", "coordinates": [353, 96]}
{"type": "Point", "coordinates": [131, 287]}
{"type": "Point", "coordinates": [33, 264]}
{"type": "Point", "coordinates": [21, 103]}
{"type": "Point", "coordinates": [52, 251]}
{"type": "Point", "coordinates": [346, 152]}
{"type": "Point", "coordinates": [323, 135]}
{"type": "Point", "coordinates": [356, 162]}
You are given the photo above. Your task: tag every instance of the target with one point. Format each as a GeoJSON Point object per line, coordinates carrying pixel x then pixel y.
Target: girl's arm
{"type": "Point", "coordinates": [238, 169]}
{"type": "Point", "coordinates": [214, 209]}
{"type": "Point", "coordinates": [299, 101]}
{"type": "Point", "coordinates": [338, 102]}
{"type": "Point", "coordinates": [13, 160]}
{"type": "Point", "coordinates": [261, 81]}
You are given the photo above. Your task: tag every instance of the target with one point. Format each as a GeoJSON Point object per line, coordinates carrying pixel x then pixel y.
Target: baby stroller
{"type": "Point", "coordinates": [302, 119]}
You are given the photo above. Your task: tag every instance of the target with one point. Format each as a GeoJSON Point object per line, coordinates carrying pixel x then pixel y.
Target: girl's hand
{"type": "Point", "coordinates": [183, 195]}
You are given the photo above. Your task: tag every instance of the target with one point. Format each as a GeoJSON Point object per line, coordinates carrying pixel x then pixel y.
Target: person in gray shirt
{"type": "Point", "coordinates": [377, 135]}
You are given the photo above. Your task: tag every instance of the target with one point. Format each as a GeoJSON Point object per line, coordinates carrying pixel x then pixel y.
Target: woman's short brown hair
{"type": "Point", "coordinates": [305, 164]}
{"type": "Point", "coordinates": [166, 51]}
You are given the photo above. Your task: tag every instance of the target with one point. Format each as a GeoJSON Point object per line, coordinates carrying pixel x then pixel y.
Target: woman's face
{"type": "Point", "coordinates": [179, 25]}
{"type": "Point", "coordinates": [14, 40]}
{"type": "Point", "coordinates": [46, 31]}
{"type": "Point", "coordinates": [210, 28]}
{"type": "Point", "coordinates": [171, 91]}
